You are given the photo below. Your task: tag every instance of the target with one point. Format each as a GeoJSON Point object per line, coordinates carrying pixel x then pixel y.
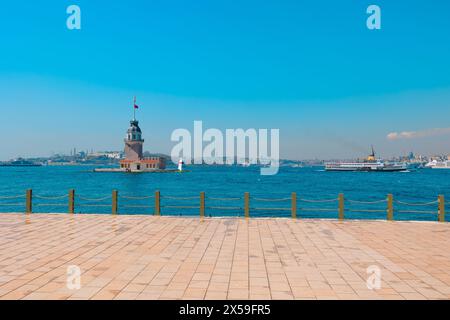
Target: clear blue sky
{"type": "Point", "coordinates": [310, 68]}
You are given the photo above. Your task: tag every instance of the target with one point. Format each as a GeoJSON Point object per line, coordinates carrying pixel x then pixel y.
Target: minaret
{"type": "Point", "coordinates": [133, 140]}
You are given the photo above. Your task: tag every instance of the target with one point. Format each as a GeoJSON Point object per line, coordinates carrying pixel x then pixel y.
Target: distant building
{"type": "Point", "coordinates": [106, 154]}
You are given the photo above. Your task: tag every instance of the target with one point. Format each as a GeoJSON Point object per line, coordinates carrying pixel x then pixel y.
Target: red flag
{"type": "Point", "coordinates": [135, 105]}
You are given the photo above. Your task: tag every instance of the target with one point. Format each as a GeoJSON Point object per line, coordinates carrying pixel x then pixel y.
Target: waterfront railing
{"type": "Point", "coordinates": [246, 205]}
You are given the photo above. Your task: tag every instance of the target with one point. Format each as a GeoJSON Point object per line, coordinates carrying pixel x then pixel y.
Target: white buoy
{"type": "Point", "coordinates": [180, 164]}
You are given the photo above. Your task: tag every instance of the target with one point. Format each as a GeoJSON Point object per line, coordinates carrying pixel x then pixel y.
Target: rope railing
{"type": "Point", "coordinates": [127, 199]}
{"type": "Point", "coordinates": [99, 202]}
{"type": "Point", "coordinates": [50, 198]}
{"type": "Point", "coordinates": [266, 210]}
{"type": "Point", "coordinates": [370, 203]}
{"type": "Point", "coordinates": [200, 202]}
{"type": "Point", "coordinates": [13, 204]}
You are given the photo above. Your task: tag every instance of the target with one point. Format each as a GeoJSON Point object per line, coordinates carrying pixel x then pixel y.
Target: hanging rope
{"type": "Point", "coordinates": [136, 198]}
{"type": "Point", "coordinates": [94, 205]}
{"type": "Point", "coordinates": [181, 207]}
{"type": "Point", "coordinates": [92, 199]}
{"type": "Point", "coordinates": [136, 206]}
{"type": "Point", "coordinates": [318, 209]}
{"type": "Point", "coordinates": [271, 209]}
{"type": "Point", "coordinates": [225, 208]}
{"type": "Point", "coordinates": [416, 204]}
{"type": "Point", "coordinates": [224, 199]}
{"type": "Point", "coordinates": [366, 202]}
{"type": "Point", "coordinates": [50, 205]}
{"type": "Point", "coordinates": [365, 210]}
{"type": "Point", "coordinates": [271, 200]}
{"type": "Point", "coordinates": [12, 197]}
{"type": "Point", "coordinates": [51, 198]}
{"type": "Point", "coordinates": [318, 201]}
{"type": "Point", "coordinates": [416, 211]}
{"type": "Point", "coordinates": [180, 198]}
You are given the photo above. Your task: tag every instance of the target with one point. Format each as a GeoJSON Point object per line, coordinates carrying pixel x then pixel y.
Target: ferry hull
{"type": "Point", "coordinates": [20, 165]}
{"type": "Point", "coordinates": [367, 169]}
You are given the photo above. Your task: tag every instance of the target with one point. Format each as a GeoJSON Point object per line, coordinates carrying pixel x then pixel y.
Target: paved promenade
{"type": "Point", "coordinates": [147, 257]}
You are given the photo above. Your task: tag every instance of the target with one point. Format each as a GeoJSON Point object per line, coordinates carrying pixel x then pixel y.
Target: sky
{"type": "Point", "coordinates": [311, 69]}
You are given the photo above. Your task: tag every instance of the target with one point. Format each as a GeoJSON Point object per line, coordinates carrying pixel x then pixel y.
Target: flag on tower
{"type": "Point", "coordinates": [135, 105]}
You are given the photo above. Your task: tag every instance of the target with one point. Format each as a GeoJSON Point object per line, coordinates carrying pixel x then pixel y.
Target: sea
{"type": "Point", "coordinates": [415, 192]}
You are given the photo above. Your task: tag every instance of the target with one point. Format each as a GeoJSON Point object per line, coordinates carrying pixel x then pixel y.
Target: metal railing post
{"type": "Point", "coordinates": [341, 206]}
{"type": "Point", "coordinates": [202, 204]}
{"type": "Point", "coordinates": [294, 205]}
{"type": "Point", "coordinates": [157, 203]}
{"type": "Point", "coordinates": [71, 201]}
{"type": "Point", "coordinates": [29, 202]}
{"type": "Point", "coordinates": [390, 207]}
{"type": "Point", "coordinates": [247, 204]}
{"type": "Point", "coordinates": [114, 201]}
{"type": "Point", "coordinates": [441, 204]}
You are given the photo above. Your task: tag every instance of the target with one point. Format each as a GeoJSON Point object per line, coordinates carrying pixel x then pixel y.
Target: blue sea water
{"type": "Point", "coordinates": [310, 184]}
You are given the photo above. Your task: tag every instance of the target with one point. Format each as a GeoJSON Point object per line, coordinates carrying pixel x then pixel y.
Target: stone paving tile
{"type": "Point", "coordinates": [147, 257]}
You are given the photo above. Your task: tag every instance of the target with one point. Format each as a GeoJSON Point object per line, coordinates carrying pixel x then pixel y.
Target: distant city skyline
{"type": "Point", "coordinates": [312, 70]}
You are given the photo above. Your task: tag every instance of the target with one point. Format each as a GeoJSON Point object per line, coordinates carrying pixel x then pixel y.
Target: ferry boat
{"type": "Point", "coordinates": [438, 164]}
{"type": "Point", "coordinates": [369, 164]}
{"type": "Point", "coordinates": [20, 163]}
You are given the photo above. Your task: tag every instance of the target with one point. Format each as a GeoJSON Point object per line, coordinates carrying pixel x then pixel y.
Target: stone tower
{"type": "Point", "coordinates": [134, 142]}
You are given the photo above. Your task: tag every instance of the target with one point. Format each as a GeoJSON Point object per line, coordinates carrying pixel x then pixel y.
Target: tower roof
{"type": "Point", "coordinates": [134, 127]}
